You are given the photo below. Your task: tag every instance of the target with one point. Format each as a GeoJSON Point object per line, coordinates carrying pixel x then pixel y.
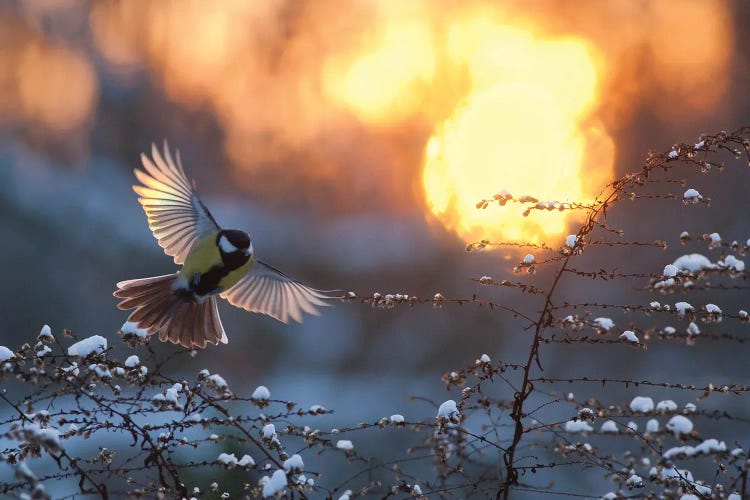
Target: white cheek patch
{"type": "Point", "coordinates": [249, 250]}
{"type": "Point", "coordinates": [225, 246]}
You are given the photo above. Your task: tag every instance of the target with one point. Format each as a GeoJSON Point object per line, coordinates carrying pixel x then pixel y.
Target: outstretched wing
{"type": "Point", "coordinates": [269, 291]}
{"type": "Point", "coordinates": [176, 215]}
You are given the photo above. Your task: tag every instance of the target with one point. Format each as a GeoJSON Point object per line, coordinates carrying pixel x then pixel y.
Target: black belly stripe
{"type": "Point", "coordinates": [209, 281]}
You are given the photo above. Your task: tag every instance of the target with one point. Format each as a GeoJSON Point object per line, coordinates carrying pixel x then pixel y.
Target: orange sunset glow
{"type": "Point", "coordinates": [421, 105]}
{"type": "Point", "coordinates": [522, 129]}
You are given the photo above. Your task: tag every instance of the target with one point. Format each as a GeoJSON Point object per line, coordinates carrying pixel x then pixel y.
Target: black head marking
{"type": "Point", "coordinates": [236, 238]}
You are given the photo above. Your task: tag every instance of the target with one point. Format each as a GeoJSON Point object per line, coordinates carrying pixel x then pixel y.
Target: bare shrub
{"type": "Point", "coordinates": [533, 425]}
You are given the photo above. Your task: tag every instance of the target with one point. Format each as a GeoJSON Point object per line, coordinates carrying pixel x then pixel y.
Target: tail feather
{"type": "Point", "coordinates": [172, 316]}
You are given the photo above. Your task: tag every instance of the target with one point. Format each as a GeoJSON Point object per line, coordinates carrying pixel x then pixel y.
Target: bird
{"type": "Point", "coordinates": [215, 263]}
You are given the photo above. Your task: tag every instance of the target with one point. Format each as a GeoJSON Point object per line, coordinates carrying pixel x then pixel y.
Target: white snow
{"type": "Point", "coordinates": [228, 460]}
{"type": "Point", "coordinates": [670, 270]}
{"type": "Point", "coordinates": [72, 369]}
{"type": "Point", "coordinates": [711, 446]}
{"type": "Point", "coordinates": [294, 464]}
{"type": "Point", "coordinates": [705, 448]}
{"type": "Point", "coordinates": [605, 324]}
{"type": "Point", "coordinates": [42, 350]}
{"type": "Point", "coordinates": [274, 484]}
{"type": "Point", "coordinates": [448, 411]}
{"type": "Point", "coordinates": [629, 336]}
{"type": "Point", "coordinates": [173, 393]}
{"type": "Point", "coordinates": [101, 370]}
{"type": "Point", "coordinates": [713, 309]}
{"type": "Point", "coordinates": [690, 407]}
{"type": "Point", "coordinates": [95, 344]}
{"type": "Point", "coordinates": [246, 461]}
{"type": "Point", "coordinates": [529, 259]}
{"type": "Point", "coordinates": [269, 431]}
{"type": "Point", "coordinates": [587, 414]}
{"type": "Point", "coordinates": [610, 426]}
{"type": "Point", "coordinates": [130, 328]}
{"type": "Point", "coordinates": [679, 425]}
{"type": "Point", "coordinates": [484, 358]}
{"type": "Point", "coordinates": [733, 262]}
{"type": "Point", "coordinates": [683, 307]}
{"type": "Point", "coordinates": [634, 481]}
{"type": "Point", "coordinates": [672, 154]}
{"type": "Point", "coordinates": [576, 426]}
{"type": "Point", "coordinates": [691, 194]}
{"type": "Point", "coordinates": [693, 262]}
{"type": "Point", "coordinates": [344, 444]}
{"type": "Point", "coordinates": [641, 404]}
{"type": "Point", "coordinates": [132, 361]}
{"type": "Point", "coordinates": [397, 419]}
{"type": "Point", "coordinates": [652, 426]}
{"type": "Point", "coordinates": [571, 240]}
{"type": "Point", "coordinates": [666, 406]}
{"type": "Point", "coordinates": [217, 381]}
{"type": "Point", "coordinates": [5, 353]}
{"type": "Point", "coordinates": [673, 473]}
{"type": "Point", "coordinates": [715, 237]}
{"type": "Point", "coordinates": [261, 393]}
{"type": "Point", "coordinates": [45, 333]}
{"type": "Point", "coordinates": [346, 495]}
{"type": "Point", "coordinates": [692, 329]}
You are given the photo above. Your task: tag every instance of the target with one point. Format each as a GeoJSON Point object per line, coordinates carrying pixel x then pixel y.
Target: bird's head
{"type": "Point", "coordinates": [233, 242]}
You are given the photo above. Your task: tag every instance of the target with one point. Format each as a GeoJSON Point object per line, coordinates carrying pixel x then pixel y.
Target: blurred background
{"type": "Point", "coordinates": [353, 141]}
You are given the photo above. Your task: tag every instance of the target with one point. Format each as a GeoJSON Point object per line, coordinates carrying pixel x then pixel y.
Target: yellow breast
{"type": "Point", "coordinates": [204, 260]}
{"type": "Point", "coordinates": [203, 256]}
{"type": "Point", "coordinates": [233, 277]}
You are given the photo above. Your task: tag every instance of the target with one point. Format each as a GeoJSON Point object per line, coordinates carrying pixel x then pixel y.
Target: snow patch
{"type": "Point", "coordinates": [95, 344]}
{"type": "Point", "coordinates": [273, 484]}
{"type": "Point", "coordinates": [5, 353]}
{"type": "Point", "coordinates": [130, 328]}
{"type": "Point", "coordinates": [693, 262]}
{"type": "Point", "coordinates": [261, 392]}
{"type": "Point", "coordinates": [344, 444]}
{"type": "Point", "coordinates": [679, 425]}
{"type": "Point", "coordinates": [642, 404]}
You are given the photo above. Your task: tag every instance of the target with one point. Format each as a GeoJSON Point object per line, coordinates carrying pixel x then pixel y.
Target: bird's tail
{"type": "Point", "coordinates": [174, 316]}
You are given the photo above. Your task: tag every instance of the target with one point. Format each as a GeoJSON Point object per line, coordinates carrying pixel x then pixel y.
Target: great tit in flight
{"type": "Point", "coordinates": [181, 307]}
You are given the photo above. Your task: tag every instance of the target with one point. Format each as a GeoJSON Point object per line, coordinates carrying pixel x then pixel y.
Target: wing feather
{"type": "Point", "coordinates": [267, 290]}
{"type": "Point", "coordinates": [175, 214]}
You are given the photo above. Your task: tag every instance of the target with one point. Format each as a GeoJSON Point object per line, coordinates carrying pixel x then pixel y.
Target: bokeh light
{"type": "Point", "coordinates": [522, 130]}
{"type": "Point", "coordinates": [336, 102]}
